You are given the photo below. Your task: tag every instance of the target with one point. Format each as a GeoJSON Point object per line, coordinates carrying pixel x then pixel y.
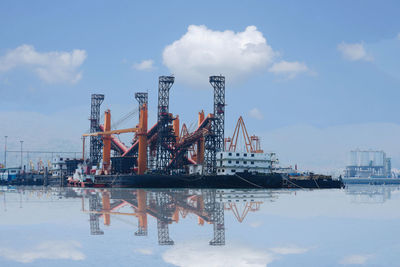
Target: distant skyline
{"type": "Point", "coordinates": [314, 80]}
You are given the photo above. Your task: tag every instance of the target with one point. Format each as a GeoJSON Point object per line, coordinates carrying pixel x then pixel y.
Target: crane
{"type": "Point", "coordinates": [141, 132]}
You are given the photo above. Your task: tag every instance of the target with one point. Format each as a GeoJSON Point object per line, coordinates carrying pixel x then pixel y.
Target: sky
{"type": "Point", "coordinates": [314, 80]}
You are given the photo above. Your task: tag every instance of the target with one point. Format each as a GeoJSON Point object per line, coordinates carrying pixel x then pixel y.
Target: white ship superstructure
{"type": "Point", "coordinates": [230, 163]}
{"type": "Point", "coordinates": [59, 167]}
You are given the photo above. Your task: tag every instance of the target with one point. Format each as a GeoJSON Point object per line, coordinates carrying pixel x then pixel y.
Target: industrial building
{"type": "Point", "coordinates": [368, 164]}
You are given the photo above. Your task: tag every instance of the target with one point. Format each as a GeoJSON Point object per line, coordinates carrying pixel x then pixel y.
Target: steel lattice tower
{"type": "Point", "coordinates": [142, 98]}
{"type": "Point", "coordinates": [218, 83]}
{"type": "Point", "coordinates": [166, 136]}
{"type": "Point", "coordinates": [214, 141]}
{"type": "Point", "coordinates": [210, 152]}
{"type": "Point", "coordinates": [94, 205]}
{"type": "Point", "coordinates": [95, 141]}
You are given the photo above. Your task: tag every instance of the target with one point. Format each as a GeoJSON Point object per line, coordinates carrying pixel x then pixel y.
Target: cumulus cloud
{"type": "Point", "coordinates": [202, 52]}
{"type": "Point", "coordinates": [256, 113]}
{"type": "Point", "coordinates": [51, 250]}
{"type": "Point", "coordinates": [288, 69]}
{"type": "Point", "coordinates": [145, 65]}
{"type": "Point", "coordinates": [354, 52]}
{"type": "Point", "coordinates": [359, 259]}
{"type": "Point", "coordinates": [51, 67]}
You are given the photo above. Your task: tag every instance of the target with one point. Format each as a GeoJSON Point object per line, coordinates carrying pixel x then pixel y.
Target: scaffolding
{"type": "Point", "coordinates": [95, 141]}
{"type": "Point", "coordinates": [166, 137]}
{"type": "Point", "coordinates": [214, 140]}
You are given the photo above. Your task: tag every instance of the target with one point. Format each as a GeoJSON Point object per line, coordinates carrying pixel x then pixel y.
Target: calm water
{"type": "Point", "coordinates": [129, 227]}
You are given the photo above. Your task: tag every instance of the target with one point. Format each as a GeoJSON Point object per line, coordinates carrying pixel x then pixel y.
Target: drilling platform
{"type": "Point", "coordinates": [167, 155]}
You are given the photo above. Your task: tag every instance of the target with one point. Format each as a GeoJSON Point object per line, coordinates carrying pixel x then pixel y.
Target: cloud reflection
{"type": "Point", "coordinates": [52, 250]}
{"type": "Point", "coordinates": [198, 254]}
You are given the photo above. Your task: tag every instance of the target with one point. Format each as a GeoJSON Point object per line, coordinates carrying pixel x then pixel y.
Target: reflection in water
{"type": "Point", "coordinates": [168, 206]}
{"type": "Point", "coordinates": [320, 227]}
{"type": "Point", "coordinates": [370, 193]}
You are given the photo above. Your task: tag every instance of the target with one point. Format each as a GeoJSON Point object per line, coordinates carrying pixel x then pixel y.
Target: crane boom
{"type": "Point", "coordinates": [127, 130]}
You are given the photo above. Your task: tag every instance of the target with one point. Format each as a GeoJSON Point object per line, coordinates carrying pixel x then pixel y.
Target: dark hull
{"type": "Point", "coordinates": [242, 180]}
{"type": "Point", "coordinates": [192, 181]}
{"type": "Point", "coordinates": [312, 183]}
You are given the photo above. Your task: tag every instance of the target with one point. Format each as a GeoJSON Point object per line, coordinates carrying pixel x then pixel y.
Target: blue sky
{"type": "Point", "coordinates": [342, 73]}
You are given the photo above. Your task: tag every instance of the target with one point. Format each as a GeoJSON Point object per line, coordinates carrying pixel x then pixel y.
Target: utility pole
{"type": "Point", "coordinates": [5, 151]}
{"type": "Point", "coordinates": [21, 154]}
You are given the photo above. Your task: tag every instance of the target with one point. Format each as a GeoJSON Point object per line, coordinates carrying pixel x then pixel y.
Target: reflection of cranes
{"type": "Point", "coordinates": [167, 207]}
{"type": "Point", "coordinates": [240, 211]}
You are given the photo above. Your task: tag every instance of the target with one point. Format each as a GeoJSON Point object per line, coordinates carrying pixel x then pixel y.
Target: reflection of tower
{"type": "Point", "coordinates": [165, 209]}
{"type": "Point", "coordinates": [141, 210]}
{"type": "Point", "coordinates": [94, 205]}
{"type": "Point", "coordinates": [216, 211]}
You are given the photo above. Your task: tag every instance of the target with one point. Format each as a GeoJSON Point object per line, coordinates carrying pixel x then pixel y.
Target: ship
{"type": "Point", "coordinates": [235, 170]}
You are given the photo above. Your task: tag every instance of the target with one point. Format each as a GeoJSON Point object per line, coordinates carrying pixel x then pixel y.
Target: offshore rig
{"type": "Point", "coordinates": [166, 156]}
{"type": "Point", "coordinates": [163, 148]}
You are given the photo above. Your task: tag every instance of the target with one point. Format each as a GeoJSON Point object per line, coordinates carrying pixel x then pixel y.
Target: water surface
{"type": "Point", "coordinates": [358, 225]}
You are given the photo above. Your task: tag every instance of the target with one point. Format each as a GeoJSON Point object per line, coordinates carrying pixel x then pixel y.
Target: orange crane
{"type": "Point", "coordinates": [141, 132]}
{"type": "Point", "coordinates": [200, 143]}
{"type": "Point", "coordinates": [250, 148]}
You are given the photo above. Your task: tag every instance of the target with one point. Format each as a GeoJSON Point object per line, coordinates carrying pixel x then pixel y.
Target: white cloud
{"type": "Point", "coordinates": [51, 67]}
{"type": "Point", "coordinates": [289, 69]}
{"type": "Point", "coordinates": [398, 36]}
{"type": "Point", "coordinates": [359, 259]}
{"type": "Point", "coordinates": [144, 251]}
{"type": "Point", "coordinates": [202, 52]}
{"type": "Point", "coordinates": [354, 52]}
{"type": "Point", "coordinates": [256, 113]}
{"type": "Point", "coordinates": [289, 250]}
{"type": "Point", "coordinates": [144, 65]}
{"type": "Point", "coordinates": [52, 250]}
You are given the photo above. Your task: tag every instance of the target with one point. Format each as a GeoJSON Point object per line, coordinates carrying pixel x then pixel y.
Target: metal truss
{"type": "Point", "coordinates": [95, 141]}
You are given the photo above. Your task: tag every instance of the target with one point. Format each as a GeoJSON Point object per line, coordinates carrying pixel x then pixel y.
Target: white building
{"type": "Point", "coordinates": [368, 163]}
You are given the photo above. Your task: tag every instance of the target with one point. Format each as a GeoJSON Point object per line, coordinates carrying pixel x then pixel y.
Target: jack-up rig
{"type": "Point", "coordinates": [164, 156]}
